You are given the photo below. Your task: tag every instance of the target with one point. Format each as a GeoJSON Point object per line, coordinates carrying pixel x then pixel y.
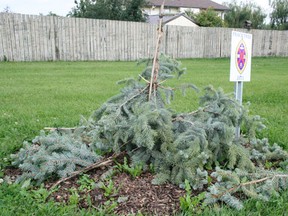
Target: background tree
{"type": "Point", "coordinates": [279, 15]}
{"type": "Point", "coordinates": [7, 9]}
{"type": "Point", "coordinates": [126, 10]}
{"type": "Point", "coordinates": [52, 14]}
{"type": "Point", "coordinates": [133, 11]}
{"type": "Point", "coordinates": [207, 18]}
{"type": "Point", "coordinates": [239, 13]}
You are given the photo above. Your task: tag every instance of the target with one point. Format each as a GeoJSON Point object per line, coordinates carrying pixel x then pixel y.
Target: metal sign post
{"type": "Point", "coordinates": [238, 94]}
{"type": "Point", "coordinates": [240, 65]}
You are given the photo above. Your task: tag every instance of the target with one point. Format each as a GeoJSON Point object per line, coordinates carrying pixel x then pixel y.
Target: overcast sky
{"type": "Point", "coordinates": [62, 7]}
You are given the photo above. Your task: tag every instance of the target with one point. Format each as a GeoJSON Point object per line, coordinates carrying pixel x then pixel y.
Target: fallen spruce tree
{"type": "Point", "coordinates": [199, 147]}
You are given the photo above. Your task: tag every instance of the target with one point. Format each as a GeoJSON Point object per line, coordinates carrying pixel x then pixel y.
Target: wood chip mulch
{"type": "Point", "coordinates": [133, 195]}
{"type": "Point", "coordinates": [146, 197]}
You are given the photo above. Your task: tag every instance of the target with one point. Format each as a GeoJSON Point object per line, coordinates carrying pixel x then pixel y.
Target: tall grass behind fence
{"type": "Point", "coordinates": [49, 38]}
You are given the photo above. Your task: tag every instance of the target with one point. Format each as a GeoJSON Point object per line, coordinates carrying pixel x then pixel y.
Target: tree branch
{"type": "Point", "coordinates": [134, 96]}
{"type": "Point", "coordinates": [98, 164]}
{"type": "Point", "coordinates": [251, 183]}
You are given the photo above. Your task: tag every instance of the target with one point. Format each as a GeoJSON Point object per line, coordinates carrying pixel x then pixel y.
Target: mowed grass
{"type": "Point", "coordinates": [34, 95]}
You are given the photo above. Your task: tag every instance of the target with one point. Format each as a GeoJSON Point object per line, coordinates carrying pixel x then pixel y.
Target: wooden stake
{"type": "Point", "coordinates": [155, 67]}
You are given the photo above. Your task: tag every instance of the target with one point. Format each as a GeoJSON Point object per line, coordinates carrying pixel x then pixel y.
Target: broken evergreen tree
{"type": "Point", "coordinates": [199, 146]}
{"type": "Point", "coordinates": [179, 145]}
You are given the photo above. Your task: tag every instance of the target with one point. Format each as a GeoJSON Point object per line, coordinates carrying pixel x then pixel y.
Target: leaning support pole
{"type": "Point", "coordinates": [155, 66]}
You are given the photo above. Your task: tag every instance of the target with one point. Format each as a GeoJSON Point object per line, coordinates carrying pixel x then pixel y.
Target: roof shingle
{"type": "Point", "coordinates": [202, 4]}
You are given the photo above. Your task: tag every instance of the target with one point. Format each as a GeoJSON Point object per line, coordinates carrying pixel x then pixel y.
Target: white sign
{"type": "Point", "coordinates": [241, 52]}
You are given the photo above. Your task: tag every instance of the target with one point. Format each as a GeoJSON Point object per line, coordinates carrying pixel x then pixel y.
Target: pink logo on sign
{"type": "Point", "coordinates": [241, 57]}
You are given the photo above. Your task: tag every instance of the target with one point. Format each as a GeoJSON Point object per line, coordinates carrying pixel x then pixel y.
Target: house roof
{"type": "Point", "coordinates": [202, 4]}
{"type": "Point", "coordinates": [179, 15]}
{"type": "Point", "coordinates": [154, 19]}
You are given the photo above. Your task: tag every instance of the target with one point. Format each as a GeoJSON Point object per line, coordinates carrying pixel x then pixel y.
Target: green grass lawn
{"type": "Point", "coordinates": [34, 95]}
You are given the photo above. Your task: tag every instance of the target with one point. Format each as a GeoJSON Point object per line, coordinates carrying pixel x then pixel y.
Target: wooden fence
{"type": "Point", "coordinates": [48, 38]}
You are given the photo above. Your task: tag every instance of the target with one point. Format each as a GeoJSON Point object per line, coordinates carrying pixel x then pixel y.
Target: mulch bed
{"type": "Point", "coordinates": [132, 196]}
{"type": "Point", "coordinates": [146, 197]}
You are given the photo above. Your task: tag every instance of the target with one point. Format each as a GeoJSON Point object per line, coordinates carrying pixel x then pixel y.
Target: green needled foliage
{"type": "Point", "coordinates": [53, 155]}
{"type": "Point", "coordinates": [198, 147]}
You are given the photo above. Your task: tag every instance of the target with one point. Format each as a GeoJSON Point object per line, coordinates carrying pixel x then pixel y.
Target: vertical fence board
{"type": "Point", "coordinates": [17, 30]}
{"type": "Point", "coordinates": [89, 35]}
{"type": "Point", "coordinates": [83, 39]}
{"type": "Point", "coordinates": [96, 39]}
{"type": "Point", "coordinates": [284, 40]}
{"type": "Point", "coordinates": [30, 37]}
{"type": "Point", "coordinates": [41, 37]}
{"type": "Point", "coordinates": [137, 38]}
{"type": "Point", "coordinates": [2, 27]}
{"type": "Point", "coordinates": [61, 38]}
{"type": "Point", "coordinates": [110, 40]}
{"type": "Point", "coordinates": [121, 41]}
{"type": "Point", "coordinates": [38, 44]}
{"type": "Point", "coordinates": [22, 36]}
{"type": "Point", "coordinates": [71, 39]}
{"type": "Point", "coordinates": [25, 38]}
{"type": "Point", "coordinates": [9, 47]}
{"type": "Point", "coordinates": [12, 29]}
{"type": "Point", "coordinates": [75, 39]}
{"type": "Point", "coordinates": [117, 40]}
